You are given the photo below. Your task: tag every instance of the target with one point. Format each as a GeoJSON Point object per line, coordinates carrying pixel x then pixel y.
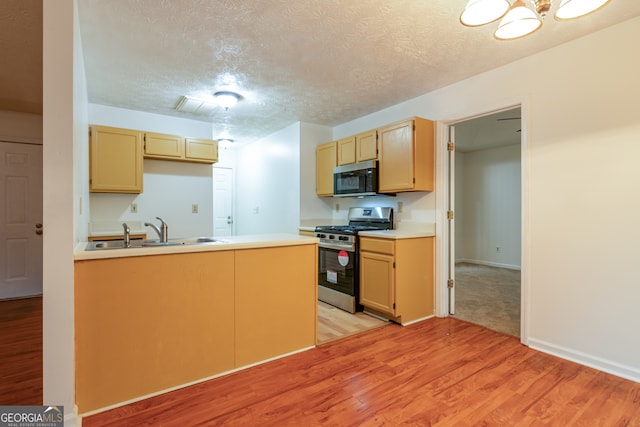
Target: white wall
{"type": "Point", "coordinates": [582, 132]}
{"type": "Point", "coordinates": [268, 184]}
{"type": "Point", "coordinates": [488, 206]}
{"type": "Point", "coordinates": [170, 188]}
{"type": "Point", "coordinates": [311, 206]}
{"type": "Point", "coordinates": [64, 135]}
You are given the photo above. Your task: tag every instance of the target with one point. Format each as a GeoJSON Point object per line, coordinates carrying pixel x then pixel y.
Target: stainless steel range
{"type": "Point", "coordinates": [338, 257]}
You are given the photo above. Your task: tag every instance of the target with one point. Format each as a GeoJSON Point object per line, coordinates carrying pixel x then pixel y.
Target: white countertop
{"type": "Point", "coordinates": [226, 243]}
{"type": "Point", "coordinates": [398, 234]}
{"type": "Point", "coordinates": [404, 230]}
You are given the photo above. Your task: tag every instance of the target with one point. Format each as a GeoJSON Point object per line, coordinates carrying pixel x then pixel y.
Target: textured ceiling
{"type": "Point", "coordinates": [318, 61]}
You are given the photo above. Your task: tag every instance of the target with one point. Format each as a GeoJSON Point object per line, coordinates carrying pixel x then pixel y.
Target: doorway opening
{"type": "Point", "coordinates": [486, 192]}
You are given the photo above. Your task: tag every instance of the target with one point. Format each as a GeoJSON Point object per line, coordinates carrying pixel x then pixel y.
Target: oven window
{"type": "Point", "coordinates": [336, 270]}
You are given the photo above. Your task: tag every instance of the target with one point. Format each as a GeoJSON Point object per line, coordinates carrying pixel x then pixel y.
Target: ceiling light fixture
{"type": "Point", "coordinates": [480, 12]}
{"type": "Point", "coordinates": [226, 99]}
{"type": "Point", "coordinates": [225, 142]}
{"type": "Point", "coordinates": [519, 20]}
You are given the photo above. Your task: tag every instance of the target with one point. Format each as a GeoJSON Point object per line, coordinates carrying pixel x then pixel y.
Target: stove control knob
{"type": "Point", "coordinates": [321, 236]}
{"type": "Point", "coordinates": [331, 236]}
{"type": "Point", "coordinates": [343, 238]}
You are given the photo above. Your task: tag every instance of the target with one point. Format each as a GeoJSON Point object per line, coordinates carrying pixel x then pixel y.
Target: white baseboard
{"type": "Point", "coordinates": [417, 320]}
{"type": "Point", "coordinates": [489, 263]}
{"type": "Point", "coordinates": [72, 420]}
{"type": "Point", "coordinates": [598, 363]}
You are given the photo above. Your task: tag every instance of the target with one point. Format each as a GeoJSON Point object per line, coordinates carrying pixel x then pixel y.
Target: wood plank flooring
{"type": "Point", "coordinates": [21, 352]}
{"type": "Point", "coordinates": [334, 323]}
{"type": "Point", "coordinates": [439, 372]}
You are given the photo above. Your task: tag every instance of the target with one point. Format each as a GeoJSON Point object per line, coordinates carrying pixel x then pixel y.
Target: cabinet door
{"type": "Point", "coordinates": [115, 164]}
{"type": "Point", "coordinates": [161, 146]}
{"type": "Point", "coordinates": [366, 146]}
{"type": "Point", "coordinates": [396, 166]}
{"type": "Point", "coordinates": [325, 162]}
{"type": "Point", "coordinates": [346, 150]}
{"type": "Point", "coordinates": [275, 301]}
{"type": "Point", "coordinates": [377, 282]}
{"type": "Point", "coordinates": [201, 150]}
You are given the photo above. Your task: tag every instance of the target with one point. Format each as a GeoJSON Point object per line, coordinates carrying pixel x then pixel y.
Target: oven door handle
{"type": "Point", "coordinates": [337, 246]}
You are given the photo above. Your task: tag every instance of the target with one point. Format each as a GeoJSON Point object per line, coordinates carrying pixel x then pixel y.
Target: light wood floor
{"type": "Point", "coordinates": [439, 372]}
{"type": "Point", "coordinates": [334, 323]}
{"type": "Point", "coordinates": [21, 352]}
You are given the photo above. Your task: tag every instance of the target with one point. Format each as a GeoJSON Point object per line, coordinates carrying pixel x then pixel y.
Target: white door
{"type": "Point", "coordinates": [20, 220]}
{"type": "Point", "coordinates": [222, 202]}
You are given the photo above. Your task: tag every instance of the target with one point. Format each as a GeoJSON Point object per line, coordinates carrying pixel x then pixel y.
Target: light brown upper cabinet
{"type": "Point", "coordinates": [357, 148]}
{"type": "Point", "coordinates": [346, 150]}
{"type": "Point", "coordinates": [162, 146]}
{"type": "Point", "coordinates": [326, 160]}
{"type": "Point", "coordinates": [406, 157]}
{"type": "Point", "coordinates": [366, 146]}
{"type": "Point", "coordinates": [173, 147]}
{"type": "Point", "coordinates": [115, 160]}
{"type": "Point", "coordinates": [201, 150]}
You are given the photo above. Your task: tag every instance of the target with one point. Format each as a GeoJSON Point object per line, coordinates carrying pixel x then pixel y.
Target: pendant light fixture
{"type": "Point", "coordinates": [519, 20]}
{"type": "Point", "coordinates": [480, 12]}
{"type": "Point", "coordinates": [571, 9]}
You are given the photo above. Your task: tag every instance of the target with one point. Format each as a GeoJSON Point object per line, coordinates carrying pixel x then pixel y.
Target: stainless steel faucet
{"type": "Point", "coordinates": [127, 235]}
{"type": "Point", "coordinates": [163, 232]}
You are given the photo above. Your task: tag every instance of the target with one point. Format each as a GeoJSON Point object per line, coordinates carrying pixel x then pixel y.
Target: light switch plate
{"type": "Point", "coordinates": [194, 208]}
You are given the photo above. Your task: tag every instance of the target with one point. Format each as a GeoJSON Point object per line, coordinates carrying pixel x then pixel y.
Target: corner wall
{"type": "Point", "coordinates": [64, 101]}
{"type": "Point", "coordinates": [582, 153]}
{"type": "Point", "coordinates": [268, 184]}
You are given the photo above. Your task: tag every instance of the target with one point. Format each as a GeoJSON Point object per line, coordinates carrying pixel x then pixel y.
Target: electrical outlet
{"type": "Point", "coordinates": [256, 210]}
{"type": "Point", "coordinates": [498, 249]}
{"type": "Point", "coordinates": [194, 208]}
{"type": "Point", "coordinates": [337, 207]}
{"type": "Point", "coordinates": [134, 208]}
{"type": "Point", "coordinates": [399, 207]}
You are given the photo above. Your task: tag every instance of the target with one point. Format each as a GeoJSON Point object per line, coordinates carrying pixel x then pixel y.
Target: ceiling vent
{"type": "Point", "coordinates": [195, 106]}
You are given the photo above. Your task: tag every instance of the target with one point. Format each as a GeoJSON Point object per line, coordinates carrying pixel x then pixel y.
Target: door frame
{"type": "Point", "coordinates": [442, 185]}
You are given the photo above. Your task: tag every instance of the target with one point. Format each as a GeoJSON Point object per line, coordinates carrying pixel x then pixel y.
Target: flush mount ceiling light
{"type": "Point", "coordinates": [519, 20]}
{"type": "Point", "coordinates": [225, 142]}
{"type": "Point", "coordinates": [226, 99]}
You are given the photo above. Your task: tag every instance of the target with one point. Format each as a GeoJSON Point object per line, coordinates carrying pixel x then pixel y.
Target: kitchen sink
{"type": "Point", "coordinates": [199, 240]}
{"type": "Point", "coordinates": [137, 243]}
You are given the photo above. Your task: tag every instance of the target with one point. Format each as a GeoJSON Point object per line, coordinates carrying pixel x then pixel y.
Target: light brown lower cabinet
{"type": "Point", "coordinates": [146, 324]}
{"type": "Point", "coordinates": [396, 277]}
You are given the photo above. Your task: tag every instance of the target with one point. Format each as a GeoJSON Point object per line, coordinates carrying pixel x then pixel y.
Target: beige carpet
{"type": "Point", "coordinates": [488, 296]}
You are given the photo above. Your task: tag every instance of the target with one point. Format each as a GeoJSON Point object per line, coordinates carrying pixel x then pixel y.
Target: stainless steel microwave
{"type": "Point", "coordinates": [356, 179]}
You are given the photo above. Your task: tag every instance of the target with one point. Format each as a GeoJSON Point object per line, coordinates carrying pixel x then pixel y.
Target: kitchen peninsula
{"type": "Point", "coordinates": [152, 319]}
